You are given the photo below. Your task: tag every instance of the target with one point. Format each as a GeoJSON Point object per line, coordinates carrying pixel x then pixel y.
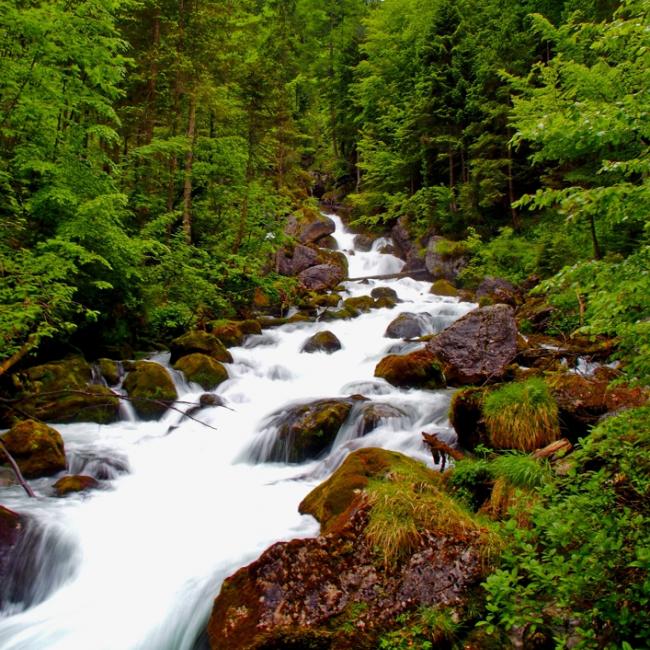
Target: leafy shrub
{"type": "Point", "coordinates": [429, 628]}
{"type": "Point", "coordinates": [521, 415]}
{"type": "Point", "coordinates": [580, 568]}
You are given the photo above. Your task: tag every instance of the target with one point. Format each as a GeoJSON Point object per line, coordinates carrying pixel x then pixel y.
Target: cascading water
{"type": "Point", "coordinates": [137, 565]}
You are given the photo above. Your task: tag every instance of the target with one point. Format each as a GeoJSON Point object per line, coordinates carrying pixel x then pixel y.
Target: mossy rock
{"type": "Point", "coordinates": [359, 304]}
{"type": "Point", "coordinates": [110, 371]}
{"type": "Point", "coordinates": [324, 341]}
{"type": "Point", "coordinates": [151, 389]}
{"type": "Point", "coordinates": [466, 416]}
{"type": "Point", "coordinates": [37, 449]}
{"type": "Point", "coordinates": [306, 431]}
{"type": "Point", "coordinates": [315, 300]}
{"type": "Point", "coordinates": [203, 370]}
{"type": "Point", "coordinates": [62, 391]}
{"type": "Point", "coordinates": [443, 288]}
{"type": "Point", "coordinates": [333, 497]}
{"type": "Point", "coordinates": [386, 293]}
{"type": "Point", "coordinates": [202, 342]}
{"type": "Point", "coordinates": [233, 333]}
{"type": "Point", "coordinates": [419, 369]}
{"type": "Point", "coordinates": [74, 483]}
{"type": "Point", "coordinates": [339, 314]}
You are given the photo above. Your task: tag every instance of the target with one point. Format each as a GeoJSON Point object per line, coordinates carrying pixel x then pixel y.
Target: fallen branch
{"type": "Point", "coordinates": [440, 450]}
{"type": "Point", "coordinates": [17, 472]}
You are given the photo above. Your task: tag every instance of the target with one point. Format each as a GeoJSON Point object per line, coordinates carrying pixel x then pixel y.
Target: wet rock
{"type": "Point", "coordinates": [419, 369]}
{"type": "Point", "coordinates": [233, 333]}
{"type": "Point", "coordinates": [328, 242]}
{"type": "Point", "coordinates": [498, 290]}
{"type": "Point", "coordinates": [407, 326]}
{"type": "Point", "coordinates": [321, 277]}
{"type": "Point", "coordinates": [445, 259]}
{"type": "Point", "coordinates": [374, 414]}
{"type": "Point", "coordinates": [110, 371]}
{"type": "Point", "coordinates": [534, 316]}
{"type": "Point", "coordinates": [202, 342]}
{"type": "Point", "coordinates": [203, 370]}
{"type": "Point", "coordinates": [344, 588]}
{"type": "Point", "coordinates": [37, 449]}
{"type": "Point", "coordinates": [363, 242]}
{"type": "Point", "coordinates": [306, 431]}
{"type": "Point", "coordinates": [443, 288]}
{"type": "Point", "coordinates": [70, 484]}
{"type": "Point", "coordinates": [384, 292]}
{"type": "Point", "coordinates": [582, 401]}
{"type": "Point", "coordinates": [210, 399]}
{"type": "Point", "coordinates": [478, 347]}
{"type": "Point", "coordinates": [325, 341]}
{"type": "Point", "coordinates": [309, 226]}
{"type": "Point", "coordinates": [359, 304]}
{"type": "Point", "coordinates": [303, 258]}
{"type": "Point", "coordinates": [151, 389]}
{"type": "Point", "coordinates": [64, 391]}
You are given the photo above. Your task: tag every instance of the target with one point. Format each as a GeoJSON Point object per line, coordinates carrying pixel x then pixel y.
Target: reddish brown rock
{"type": "Point", "coordinates": [11, 530]}
{"type": "Point", "coordinates": [466, 416]}
{"type": "Point", "coordinates": [77, 483]}
{"type": "Point", "coordinates": [478, 347]}
{"type": "Point", "coordinates": [321, 277]}
{"type": "Point", "coordinates": [407, 326]}
{"type": "Point", "coordinates": [37, 449]}
{"type": "Point", "coordinates": [419, 369]}
{"type": "Point", "coordinates": [325, 341]}
{"type": "Point", "coordinates": [582, 401]}
{"type": "Point", "coordinates": [337, 591]}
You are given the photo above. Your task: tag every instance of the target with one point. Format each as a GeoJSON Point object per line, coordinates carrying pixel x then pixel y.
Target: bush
{"type": "Point", "coordinates": [580, 568]}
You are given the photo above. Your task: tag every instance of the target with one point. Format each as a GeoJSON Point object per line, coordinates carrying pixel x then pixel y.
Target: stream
{"type": "Point", "coordinates": [137, 565]}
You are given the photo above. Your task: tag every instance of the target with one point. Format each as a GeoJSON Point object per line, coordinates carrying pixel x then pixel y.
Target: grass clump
{"type": "Point", "coordinates": [522, 416]}
{"type": "Point", "coordinates": [403, 506]}
{"type": "Point", "coordinates": [428, 628]}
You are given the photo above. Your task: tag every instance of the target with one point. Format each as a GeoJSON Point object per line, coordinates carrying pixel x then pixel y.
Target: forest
{"type": "Point", "coordinates": [152, 153]}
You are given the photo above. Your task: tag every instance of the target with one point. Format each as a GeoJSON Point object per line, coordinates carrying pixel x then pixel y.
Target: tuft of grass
{"type": "Point", "coordinates": [522, 416]}
{"type": "Point", "coordinates": [403, 507]}
{"type": "Point", "coordinates": [521, 470]}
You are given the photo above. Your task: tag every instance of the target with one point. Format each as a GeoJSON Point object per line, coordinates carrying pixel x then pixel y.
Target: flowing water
{"type": "Point", "coordinates": [137, 564]}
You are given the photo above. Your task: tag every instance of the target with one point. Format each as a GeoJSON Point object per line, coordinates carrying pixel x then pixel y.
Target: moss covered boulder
{"type": "Point", "coordinates": [151, 389]}
{"type": "Point", "coordinates": [233, 333]}
{"type": "Point", "coordinates": [202, 342]}
{"type": "Point", "coordinates": [37, 449]}
{"type": "Point", "coordinates": [64, 391]}
{"type": "Point", "coordinates": [393, 543]}
{"type": "Point", "coordinates": [304, 431]}
{"type": "Point", "coordinates": [408, 326]}
{"type": "Point", "coordinates": [308, 226]}
{"type": "Point", "coordinates": [110, 371]}
{"type": "Point", "coordinates": [203, 370]}
{"type": "Point", "coordinates": [466, 416]}
{"type": "Point", "coordinates": [74, 483]}
{"type": "Point", "coordinates": [418, 369]}
{"type": "Point", "coordinates": [12, 526]}
{"type": "Point", "coordinates": [360, 304]}
{"type": "Point", "coordinates": [443, 288]}
{"type": "Point", "coordinates": [324, 341]}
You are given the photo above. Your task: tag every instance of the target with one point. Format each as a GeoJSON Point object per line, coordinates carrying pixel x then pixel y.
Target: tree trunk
{"type": "Point", "coordinates": [153, 79]}
{"type": "Point", "coordinates": [452, 182]}
{"type": "Point", "coordinates": [189, 160]}
{"type": "Point", "coordinates": [516, 223]}
{"type": "Point", "coordinates": [598, 253]}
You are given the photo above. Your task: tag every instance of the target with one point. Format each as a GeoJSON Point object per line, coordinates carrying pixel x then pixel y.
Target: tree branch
{"type": "Point", "coordinates": [17, 472]}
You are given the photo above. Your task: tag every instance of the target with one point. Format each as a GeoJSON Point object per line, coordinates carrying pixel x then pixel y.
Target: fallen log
{"type": "Point", "coordinates": [441, 450]}
{"type": "Point", "coordinates": [421, 275]}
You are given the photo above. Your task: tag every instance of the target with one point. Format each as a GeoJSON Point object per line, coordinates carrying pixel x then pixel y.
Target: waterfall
{"type": "Point", "coordinates": [138, 563]}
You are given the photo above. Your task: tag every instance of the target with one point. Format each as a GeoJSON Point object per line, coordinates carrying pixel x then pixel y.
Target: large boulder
{"type": "Point", "coordinates": [466, 416]}
{"type": "Point", "coordinates": [37, 449]}
{"type": "Point", "coordinates": [366, 573]}
{"type": "Point", "coordinates": [408, 326]}
{"type": "Point", "coordinates": [445, 259]}
{"type": "Point", "coordinates": [478, 347]}
{"type": "Point", "coordinates": [64, 391]}
{"type": "Point", "coordinates": [151, 389]}
{"type": "Point", "coordinates": [321, 277]}
{"type": "Point", "coordinates": [304, 431]}
{"type": "Point", "coordinates": [418, 369]}
{"type": "Point", "coordinates": [324, 341]}
{"type": "Point", "coordinates": [198, 341]}
{"type": "Point", "coordinates": [203, 370]}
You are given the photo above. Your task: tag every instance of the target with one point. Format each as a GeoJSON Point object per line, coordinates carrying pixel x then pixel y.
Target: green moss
{"type": "Point", "coordinates": [359, 304]}
{"type": "Point", "coordinates": [151, 389]}
{"type": "Point", "coordinates": [37, 449]}
{"type": "Point", "coordinates": [202, 342]}
{"type": "Point", "coordinates": [521, 415]}
{"type": "Point", "coordinates": [418, 369]}
{"type": "Point", "coordinates": [203, 370]}
{"type": "Point", "coordinates": [443, 288]}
